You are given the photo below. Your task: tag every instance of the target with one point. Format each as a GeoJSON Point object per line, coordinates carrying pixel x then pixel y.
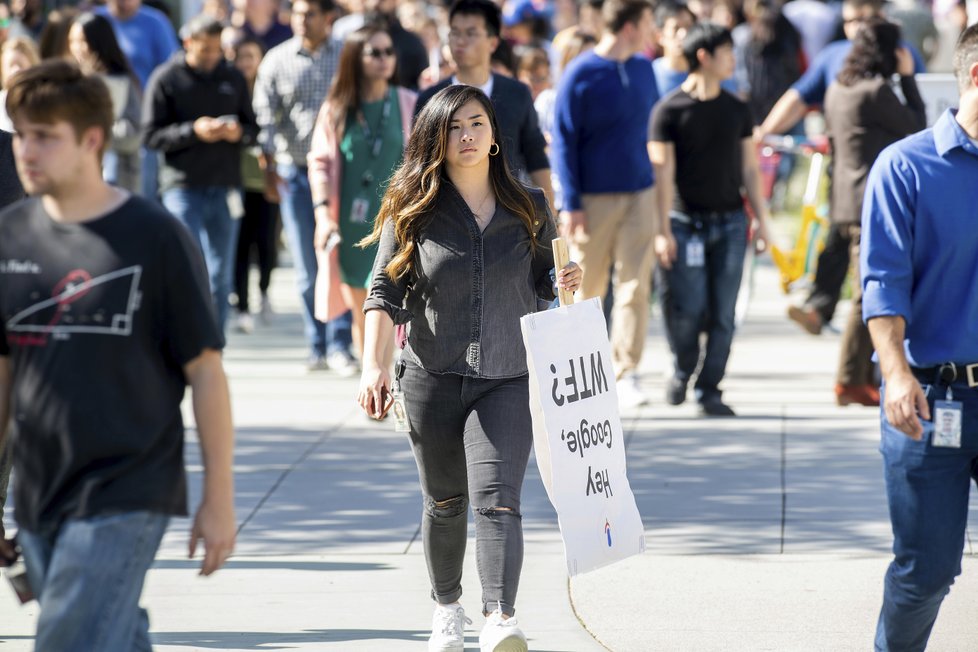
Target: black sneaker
{"type": "Point", "coordinates": [714, 407]}
{"type": "Point", "coordinates": [675, 392]}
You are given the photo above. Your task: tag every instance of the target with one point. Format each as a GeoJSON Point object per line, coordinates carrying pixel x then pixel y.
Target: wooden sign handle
{"type": "Point", "coordinates": [561, 258]}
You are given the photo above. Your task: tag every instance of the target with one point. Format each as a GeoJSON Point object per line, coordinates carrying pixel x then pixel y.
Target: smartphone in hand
{"type": "Point", "coordinates": [16, 571]}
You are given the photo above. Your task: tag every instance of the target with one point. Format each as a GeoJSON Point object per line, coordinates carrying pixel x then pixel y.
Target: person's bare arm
{"type": "Point", "coordinates": [786, 112]}
{"type": "Point", "coordinates": [378, 353]}
{"type": "Point", "coordinates": [214, 521]}
{"type": "Point", "coordinates": [663, 157]}
{"type": "Point", "coordinates": [752, 188]}
{"type": "Point", "coordinates": [904, 399]}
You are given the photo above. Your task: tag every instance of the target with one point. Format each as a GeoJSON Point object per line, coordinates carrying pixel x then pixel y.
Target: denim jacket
{"type": "Point", "coordinates": [467, 290]}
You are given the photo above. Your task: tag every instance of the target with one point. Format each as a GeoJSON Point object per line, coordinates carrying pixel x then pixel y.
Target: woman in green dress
{"type": "Point", "coordinates": [358, 141]}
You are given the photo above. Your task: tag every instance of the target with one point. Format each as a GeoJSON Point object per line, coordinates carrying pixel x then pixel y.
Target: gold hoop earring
{"type": "Point", "coordinates": [492, 153]}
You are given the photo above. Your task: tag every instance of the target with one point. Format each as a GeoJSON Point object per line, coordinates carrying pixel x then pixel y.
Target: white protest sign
{"type": "Point", "coordinates": [577, 435]}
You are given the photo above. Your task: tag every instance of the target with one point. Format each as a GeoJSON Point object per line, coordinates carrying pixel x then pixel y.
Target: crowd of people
{"type": "Point", "coordinates": [418, 158]}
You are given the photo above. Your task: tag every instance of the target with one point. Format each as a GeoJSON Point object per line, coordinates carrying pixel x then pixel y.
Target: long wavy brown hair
{"type": "Point", "coordinates": [873, 52]}
{"type": "Point", "coordinates": [345, 94]}
{"type": "Point", "coordinates": [416, 184]}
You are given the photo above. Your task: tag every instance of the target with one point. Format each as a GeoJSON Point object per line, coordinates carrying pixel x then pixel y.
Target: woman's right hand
{"type": "Point", "coordinates": [375, 390]}
{"type": "Point", "coordinates": [905, 64]}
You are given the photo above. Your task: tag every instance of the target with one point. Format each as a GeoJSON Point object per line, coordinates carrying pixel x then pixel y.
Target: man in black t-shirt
{"type": "Point", "coordinates": [10, 191]}
{"type": "Point", "coordinates": [705, 162]}
{"type": "Point", "coordinates": [105, 317]}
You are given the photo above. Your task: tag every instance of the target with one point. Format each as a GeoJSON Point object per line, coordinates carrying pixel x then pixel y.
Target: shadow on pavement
{"type": "Point", "coordinates": [282, 640]}
{"type": "Point", "coordinates": [274, 564]}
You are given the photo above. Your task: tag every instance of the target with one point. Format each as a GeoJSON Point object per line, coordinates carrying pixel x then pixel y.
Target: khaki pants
{"type": "Point", "coordinates": [620, 231]}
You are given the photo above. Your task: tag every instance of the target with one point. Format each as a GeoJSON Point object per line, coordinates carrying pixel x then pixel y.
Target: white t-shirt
{"type": "Point", "coordinates": [485, 88]}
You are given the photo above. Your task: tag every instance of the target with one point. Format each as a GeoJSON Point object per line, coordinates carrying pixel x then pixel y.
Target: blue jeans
{"type": "Point", "coordinates": [927, 490]}
{"type": "Point", "coordinates": [149, 163]}
{"type": "Point", "coordinates": [87, 577]}
{"type": "Point", "coordinates": [204, 211]}
{"type": "Point", "coordinates": [703, 298]}
{"type": "Point", "coordinates": [299, 222]}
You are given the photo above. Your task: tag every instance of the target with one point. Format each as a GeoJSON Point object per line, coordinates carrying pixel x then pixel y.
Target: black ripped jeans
{"type": "Point", "coordinates": [471, 439]}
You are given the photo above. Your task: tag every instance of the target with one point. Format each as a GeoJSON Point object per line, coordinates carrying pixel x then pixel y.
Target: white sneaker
{"type": "Point", "coordinates": [448, 628]}
{"type": "Point", "coordinates": [244, 323]}
{"type": "Point", "coordinates": [342, 363]}
{"type": "Point", "coordinates": [629, 393]}
{"type": "Point", "coordinates": [502, 634]}
{"type": "Point", "coordinates": [266, 313]}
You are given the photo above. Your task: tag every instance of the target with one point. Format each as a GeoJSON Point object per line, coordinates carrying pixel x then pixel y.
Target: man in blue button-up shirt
{"type": "Point", "coordinates": [919, 264]}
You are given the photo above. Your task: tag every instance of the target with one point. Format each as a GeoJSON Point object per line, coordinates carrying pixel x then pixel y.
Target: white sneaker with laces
{"type": "Point", "coordinates": [502, 634]}
{"type": "Point", "coordinates": [629, 393]}
{"type": "Point", "coordinates": [448, 628]}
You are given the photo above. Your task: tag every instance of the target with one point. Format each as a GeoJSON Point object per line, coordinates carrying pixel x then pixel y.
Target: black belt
{"type": "Point", "coordinates": [950, 372]}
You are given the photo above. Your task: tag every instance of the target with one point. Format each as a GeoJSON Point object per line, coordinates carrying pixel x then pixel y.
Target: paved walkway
{"type": "Point", "coordinates": [765, 532]}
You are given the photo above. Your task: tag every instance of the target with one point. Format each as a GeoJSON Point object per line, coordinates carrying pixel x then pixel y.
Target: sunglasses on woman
{"type": "Point", "coordinates": [379, 53]}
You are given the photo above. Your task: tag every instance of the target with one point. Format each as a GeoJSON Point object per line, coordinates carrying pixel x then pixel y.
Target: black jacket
{"type": "Point", "coordinates": [412, 57]}
{"type": "Point", "coordinates": [522, 140]}
{"type": "Point", "coordinates": [10, 188]}
{"type": "Point", "coordinates": [177, 95]}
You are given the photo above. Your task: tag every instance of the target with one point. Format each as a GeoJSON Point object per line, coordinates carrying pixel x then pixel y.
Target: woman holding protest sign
{"type": "Point", "coordinates": [464, 252]}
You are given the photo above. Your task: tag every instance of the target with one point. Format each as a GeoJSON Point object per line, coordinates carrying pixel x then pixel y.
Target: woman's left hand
{"type": "Point", "coordinates": [569, 277]}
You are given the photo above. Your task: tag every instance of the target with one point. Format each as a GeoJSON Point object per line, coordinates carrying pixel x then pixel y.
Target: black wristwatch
{"type": "Point", "coordinates": [320, 204]}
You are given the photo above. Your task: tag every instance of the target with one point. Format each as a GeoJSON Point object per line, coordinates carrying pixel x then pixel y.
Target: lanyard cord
{"type": "Point", "coordinates": [378, 140]}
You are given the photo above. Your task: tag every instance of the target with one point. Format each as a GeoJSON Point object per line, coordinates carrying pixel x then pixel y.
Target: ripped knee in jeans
{"type": "Point", "coordinates": [491, 512]}
{"type": "Point", "coordinates": [448, 508]}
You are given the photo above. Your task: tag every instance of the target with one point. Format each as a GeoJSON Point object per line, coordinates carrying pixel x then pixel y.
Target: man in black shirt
{"type": "Point", "coordinates": [10, 188]}
{"type": "Point", "coordinates": [704, 158]}
{"type": "Point", "coordinates": [198, 112]}
{"type": "Point", "coordinates": [10, 191]}
{"type": "Point", "coordinates": [105, 317]}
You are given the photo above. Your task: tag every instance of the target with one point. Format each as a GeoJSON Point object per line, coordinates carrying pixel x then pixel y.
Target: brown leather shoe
{"type": "Point", "coordinates": [807, 318]}
{"type": "Point", "coordinates": [868, 395]}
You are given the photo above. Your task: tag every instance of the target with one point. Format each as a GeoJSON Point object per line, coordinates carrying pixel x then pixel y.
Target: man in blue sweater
{"type": "Point", "coordinates": [147, 39]}
{"type": "Point", "coordinates": [601, 126]}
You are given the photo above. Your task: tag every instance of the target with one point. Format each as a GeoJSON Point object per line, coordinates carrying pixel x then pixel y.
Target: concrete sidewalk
{"type": "Point", "coordinates": [765, 532]}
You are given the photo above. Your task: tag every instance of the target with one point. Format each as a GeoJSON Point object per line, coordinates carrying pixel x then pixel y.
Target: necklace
{"type": "Point", "coordinates": [478, 213]}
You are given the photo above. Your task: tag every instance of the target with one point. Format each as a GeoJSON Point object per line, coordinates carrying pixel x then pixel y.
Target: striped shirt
{"type": "Point", "coordinates": [291, 87]}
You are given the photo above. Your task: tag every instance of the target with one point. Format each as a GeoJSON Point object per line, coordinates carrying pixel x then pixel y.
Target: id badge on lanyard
{"type": "Point", "coordinates": [947, 422]}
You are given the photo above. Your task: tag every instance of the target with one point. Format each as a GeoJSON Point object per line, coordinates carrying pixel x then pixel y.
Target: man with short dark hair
{"type": "Point", "coordinates": [197, 111]}
{"type": "Point", "coordinates": [599, 149]}
{"type": "Point", "coordinates": [473, 36]}
{"type": "Point", "coordinates": [704, 156]}
{"type": "Point", "coordinates": [105, 318]}
{"type": "Point", "coordinates": [292, 83]}
{"type": "Point", "coordinates": [918, 258]}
